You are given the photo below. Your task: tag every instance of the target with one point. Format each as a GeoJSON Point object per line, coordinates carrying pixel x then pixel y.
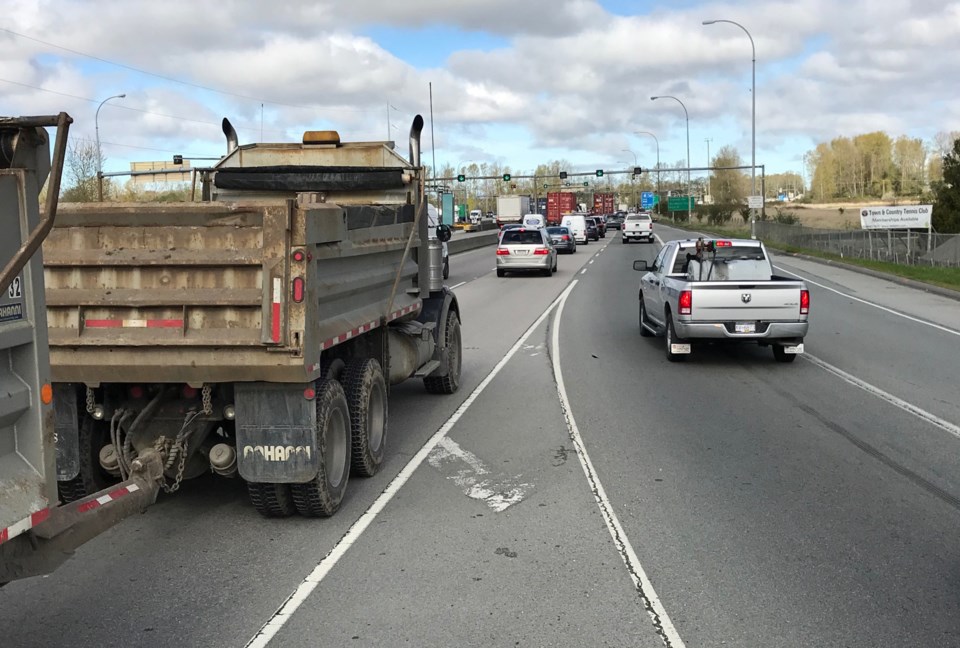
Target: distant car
{"type": "Point", "coordinates": [510, 226]}
{"type": "Point", "coordinates": [534, 221]}
{"type": "Point", "coordinates": [593, 232]}
{"type": "Point", "coordinates": [526, 249]}
{"type": "Point", "coordinates": [601, 225]}
{"type": "Point", "coordinates": [615, 221]}
{"type": "Point", "coordinates": [562, 239]}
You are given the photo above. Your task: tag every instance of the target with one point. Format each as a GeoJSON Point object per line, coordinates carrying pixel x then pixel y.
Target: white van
{"type": "Point", "coordinates": [475, 216]}
{"type": "Point", "coordinates": [577, 224]}
{"type": "Point", "coordinates": [433, 219]}
{"type": "Point", "coordinates": [534, 221]}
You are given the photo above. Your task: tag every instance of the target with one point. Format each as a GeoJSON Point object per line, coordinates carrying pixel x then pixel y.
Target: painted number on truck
{"type": "Point", "coordinates": [15, 291]}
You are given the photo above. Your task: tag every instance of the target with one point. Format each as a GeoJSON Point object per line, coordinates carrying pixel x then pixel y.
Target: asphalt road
{"type": "Point", "coordinates": [581, 491]}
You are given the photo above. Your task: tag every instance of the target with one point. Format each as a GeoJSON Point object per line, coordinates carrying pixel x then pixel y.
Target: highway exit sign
{"type": "Point", "coordinates": [680, 203]}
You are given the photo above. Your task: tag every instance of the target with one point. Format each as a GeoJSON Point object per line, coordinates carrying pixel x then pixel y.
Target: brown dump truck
{"type": "Point", "coordinates": [255, 332]}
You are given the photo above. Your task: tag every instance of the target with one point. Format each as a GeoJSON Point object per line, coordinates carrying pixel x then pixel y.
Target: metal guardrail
{"type": "Point", "coordinates": [904, 247]}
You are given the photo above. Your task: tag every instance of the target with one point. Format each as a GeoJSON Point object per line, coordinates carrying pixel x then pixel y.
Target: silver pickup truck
{"type": "Point", "coordinates": [721, 290]}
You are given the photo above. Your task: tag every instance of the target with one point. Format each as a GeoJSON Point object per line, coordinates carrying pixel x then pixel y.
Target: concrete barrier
{"type": "Point", "coordinates": [463, 242]}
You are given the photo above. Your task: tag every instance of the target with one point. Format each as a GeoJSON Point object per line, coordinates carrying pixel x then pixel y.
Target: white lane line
{"type": "Point", "coordinates": [870, 303]}
{"type": "Point", "coordinates": [584, 271]}
{"type": "Point", "coordinates": [659, 240]}
{"type": "Point", "coordinates": [890, 398]}
{"type": "Point", "coordinates": [469, 473]}
{"type": "Point", "coordinates": [458, 285]}
{"type": "Point", "coordinates": [591, 261]}
{"type": "Point", "coordinates": [648, 596]}
{"type": "Point", "coordinates": [310, 583]}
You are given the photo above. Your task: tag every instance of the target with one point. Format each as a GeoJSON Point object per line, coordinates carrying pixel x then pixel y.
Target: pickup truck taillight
{"type": "Point", "coordinates": [685, 303]}
{"type": "Point", "coordinates": [804, 302]}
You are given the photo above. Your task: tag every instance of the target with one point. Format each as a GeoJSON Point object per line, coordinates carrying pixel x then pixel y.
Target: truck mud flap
{"type": "Point", "coordinates": [435, 309]}
{"type": "Point", "coordinates": [276, 432]}
{"type": "Point", "coordinates": [66, 424]}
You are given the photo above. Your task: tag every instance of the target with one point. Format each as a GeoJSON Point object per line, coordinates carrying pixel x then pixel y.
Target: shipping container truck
{"type": "Point", "coordinates": [597, 204]}
{"type": "Point", "coordinates": [512, 209]}
{"type": "Point", "coordinates": [255, 333]}
{"type": "Point", "coordinates": [560, 203]}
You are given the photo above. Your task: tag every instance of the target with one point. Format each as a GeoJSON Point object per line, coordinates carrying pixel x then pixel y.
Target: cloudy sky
{"type": "Point", "coordinates": [518, 82]}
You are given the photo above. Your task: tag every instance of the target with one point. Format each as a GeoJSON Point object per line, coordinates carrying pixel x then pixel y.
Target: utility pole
{"type": "Point", "coordinates": [709, 164]}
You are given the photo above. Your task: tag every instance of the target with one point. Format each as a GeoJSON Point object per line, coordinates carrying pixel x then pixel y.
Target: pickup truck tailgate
{"type": "Point", "coordinates": [729, 302]}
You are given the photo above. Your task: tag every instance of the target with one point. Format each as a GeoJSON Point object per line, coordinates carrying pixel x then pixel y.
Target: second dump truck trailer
{"type": "Point", "coordinates": [255, 333]}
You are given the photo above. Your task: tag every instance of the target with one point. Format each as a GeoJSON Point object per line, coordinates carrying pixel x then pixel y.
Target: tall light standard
{"type": "Point", "coordinates": [96, 124]}
{"type": "Point", "coordinates": [631, 153]}
{"type": "Point", "coordinates": [709, 164]}
{"type": "Point", "coordinates": [658, 159]}
{"type": "Point", "coordinates": [753, 116]}
{"type": "Point", "coordinates": [687, 115]}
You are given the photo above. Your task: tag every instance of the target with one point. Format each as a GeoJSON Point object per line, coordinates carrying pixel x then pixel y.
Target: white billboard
{"type": "Point", "coordinates": [898, 217]}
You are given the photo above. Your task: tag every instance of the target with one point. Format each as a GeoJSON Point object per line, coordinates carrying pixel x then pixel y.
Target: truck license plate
{"type": "Point", "coordinates": [745, 327]}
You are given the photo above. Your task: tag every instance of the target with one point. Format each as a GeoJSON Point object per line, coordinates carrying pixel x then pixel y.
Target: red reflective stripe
{"type": "Point", "coordinates": [3, 536]}
{"type": "Point", "coordinates": [133, 323]}
{"type": "Point", "coordinates": [275, 312]}
{"type": "Point", "coordinates": [39, 517]}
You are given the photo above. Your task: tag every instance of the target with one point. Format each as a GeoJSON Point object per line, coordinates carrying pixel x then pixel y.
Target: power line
{"type": "Point", "coordinates": [186, 83]}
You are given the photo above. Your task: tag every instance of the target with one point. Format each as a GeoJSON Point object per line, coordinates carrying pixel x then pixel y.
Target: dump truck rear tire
{"type": "Point", "coordinates": [321, 496]}
{"type": "Point", "coordinates": [93, 435]}
{"type": "Point", "coordinates": [452, 340]}
{"type": "Point", "coordinates": [271, 500]}
{"type": "Point", "coordinates": [366, 392]}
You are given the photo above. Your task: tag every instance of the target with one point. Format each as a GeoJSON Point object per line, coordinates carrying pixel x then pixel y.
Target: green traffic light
{"type": "Point", "coordinates": [599, 173]}
{"type": "Point", "coordinates": [506, 177]}
{"type": "Point", "coordinates": [461, 178]}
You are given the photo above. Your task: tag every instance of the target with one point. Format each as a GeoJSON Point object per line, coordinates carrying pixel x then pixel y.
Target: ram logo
{"type": "Point", "coordinates": [276, 452]}
{"type": "Point", "coordinates": [745, 297]}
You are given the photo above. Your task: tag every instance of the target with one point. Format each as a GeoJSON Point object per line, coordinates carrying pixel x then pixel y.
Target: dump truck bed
{"type": "Point", "coordinates": [221, 291]}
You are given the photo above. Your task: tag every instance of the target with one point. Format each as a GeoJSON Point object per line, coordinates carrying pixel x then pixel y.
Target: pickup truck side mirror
{"type": "Point", "coordinates": [640, 265]}
{"type": "Point", "coordinates": [444, 232]}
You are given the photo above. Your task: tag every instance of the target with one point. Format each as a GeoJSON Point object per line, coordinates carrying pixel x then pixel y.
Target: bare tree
{"type": "Point", "coordinates": [82, 160]}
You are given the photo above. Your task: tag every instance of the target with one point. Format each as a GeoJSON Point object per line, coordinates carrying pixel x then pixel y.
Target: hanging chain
{"type": "Point", "coordinates": [207, 400]}
{"type": "Point", "coordinates": [91, 401]}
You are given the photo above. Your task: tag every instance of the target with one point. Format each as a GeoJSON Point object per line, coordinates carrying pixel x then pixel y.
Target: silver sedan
{"type": "Point", "coordinates": [526, 249]}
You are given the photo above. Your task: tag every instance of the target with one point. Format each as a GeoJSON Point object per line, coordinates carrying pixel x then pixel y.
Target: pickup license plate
{"type": "Point", "coordinates": [794, 350]}
{"type": "Point", "coordinates": [745, 327]}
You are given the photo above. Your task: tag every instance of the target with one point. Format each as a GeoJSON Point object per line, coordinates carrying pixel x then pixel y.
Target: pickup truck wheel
{"type": "Point", "coordinates": [321, 496]}
{"type": "Point", "coordinates": [271, 500]}
{"type": "Point", "coordinates": [671, 338]}
{"type": "Point", "coordinates": [93, 435]}
{"type": "Point", "coordinates": [367, 400]}
{"type": "Point", "coordinates": [644, 331]}
{"type": "Point", "coordinates": [781, 355]}
{"type": "Point", "coordinates": [452, 340]}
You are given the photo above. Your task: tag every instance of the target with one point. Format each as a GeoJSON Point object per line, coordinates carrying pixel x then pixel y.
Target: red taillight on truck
{"type": "Point", "coordinates": [685, 303]}
{"type": "Point", "coordinates": [298, 289]}
{"type": "Point", "coordinates": [804, 302]}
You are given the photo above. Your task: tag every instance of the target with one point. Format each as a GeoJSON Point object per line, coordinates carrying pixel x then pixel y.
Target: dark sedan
{"type": "Point", "coordinates": [562, 239]}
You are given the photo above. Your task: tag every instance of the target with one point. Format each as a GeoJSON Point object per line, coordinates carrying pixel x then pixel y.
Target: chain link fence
{"type": "Point", "coordinates": [896, 246]}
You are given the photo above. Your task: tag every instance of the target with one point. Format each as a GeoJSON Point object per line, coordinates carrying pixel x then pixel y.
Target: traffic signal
{"type": "Point", "coordinates": [461, 178]}
{"type": "Point", "coordinates": [513, 185]}
{"type": "Point", "coordinates": [586, 184]}
{"type": "Point", "coordinates": [563, 175]}
{"type": "Point", "coordinates": [506, 177]}
{"type": "Point", "coordinates": [599, 173]}
{"type": "Point", "coordinates": [545, 185]}
{"type": "Point", "coordinates": [637, 171]}
{"type": "Point", "coordinates": [178, 159]}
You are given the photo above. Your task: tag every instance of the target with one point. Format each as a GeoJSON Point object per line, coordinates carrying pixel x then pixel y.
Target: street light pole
{"type": "Point", "coordinates": [658, 158]}
{"type": "Point", "coordinates": [753, 117]}
{"type": "Point", "coordinates": [687, 115]}
{"type": "Point", "coordinates": [96, 124]}
{"type": "Point", "coordinates": [709, 164]}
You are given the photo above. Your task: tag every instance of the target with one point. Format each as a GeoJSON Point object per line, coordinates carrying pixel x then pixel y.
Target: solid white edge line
{"type": "Point", "coordinates": [658, 614]}
{"type": "Point", "coordinates": [458, 285]}
{"type": "Point", "coordinates": [870, 303]}
{"type": "Point", "coordinates": [945, 425]}
{"type": "Point", "coordinates": [306, 587]}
